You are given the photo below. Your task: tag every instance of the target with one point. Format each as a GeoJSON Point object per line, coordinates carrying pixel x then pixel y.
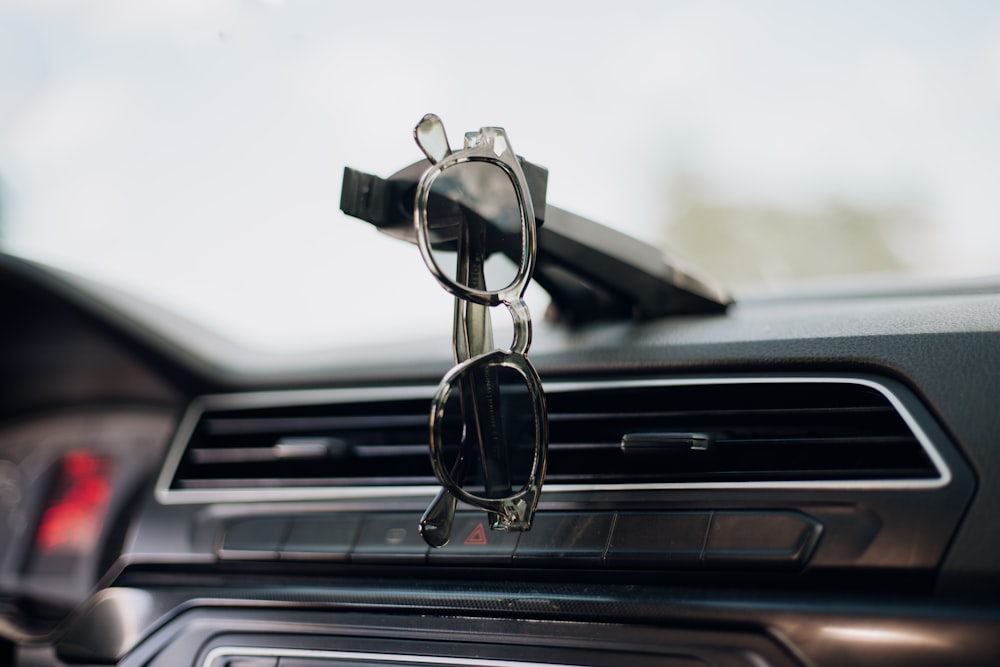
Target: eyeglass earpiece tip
{"type": "Point", "coordinates": [430, 135]}
{"type": "Point", "coordinates": [435, 525]}
{"type": "Point", "coordinates": [435, 536]}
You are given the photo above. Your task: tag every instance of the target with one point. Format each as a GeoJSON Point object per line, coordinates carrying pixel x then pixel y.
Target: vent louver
{"type": "Point", "coordinates": [719, 433]}
{"type": "Point", "coordinates": [623, 435]}
{"type": "Point", "coordinates": [327, 444]}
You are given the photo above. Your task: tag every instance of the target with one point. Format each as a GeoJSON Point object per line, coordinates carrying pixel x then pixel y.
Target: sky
{"type": "Point", "coordinates": [191, 151]}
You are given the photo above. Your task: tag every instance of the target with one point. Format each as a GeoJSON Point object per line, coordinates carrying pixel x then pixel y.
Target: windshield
{"type": "Point", "coordinates": [191, 151]}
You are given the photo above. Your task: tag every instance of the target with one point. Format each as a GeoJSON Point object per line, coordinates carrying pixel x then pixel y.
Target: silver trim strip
{"type": "Point", "coordinates": [224, 652]}
{"type": "Point", "coordinates": [167, 496]}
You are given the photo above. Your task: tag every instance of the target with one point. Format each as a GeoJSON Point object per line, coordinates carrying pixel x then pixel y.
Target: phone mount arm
{"type": "Point", "coordinates": [591, 271]}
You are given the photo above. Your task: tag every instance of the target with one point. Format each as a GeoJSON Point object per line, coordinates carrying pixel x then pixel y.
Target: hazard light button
{"type": "Point", "coordinates": [472, 541]}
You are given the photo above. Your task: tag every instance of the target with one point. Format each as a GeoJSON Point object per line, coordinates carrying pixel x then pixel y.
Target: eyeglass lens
{"type": "Point", "coordinates": [473, 208]}
{"type": "Point", "coordinates": [489, 405]}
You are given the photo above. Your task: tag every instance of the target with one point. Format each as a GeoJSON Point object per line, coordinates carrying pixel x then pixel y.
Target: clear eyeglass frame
{"type": "Point", "coordinates": [513, 512]}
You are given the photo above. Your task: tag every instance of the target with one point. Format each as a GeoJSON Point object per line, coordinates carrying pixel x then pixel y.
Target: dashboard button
{"type": "Point", "coordinates": [770, 539]}
{"type": "Point", "coordinates": [566, 537]}
{"type": "Point", "coordinates": [389, 537]}
{"type": "Point", "coordinates": [658, 539]}
{"type": "Point", "coordinates": [254, 538]}
{"type": "Point", "coordinates": [472, 541]}
{"type": "Point", "coordinates": [321, 537]}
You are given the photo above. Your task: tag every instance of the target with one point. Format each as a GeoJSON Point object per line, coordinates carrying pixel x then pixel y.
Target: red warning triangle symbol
{"type": "Point", "coordinates": [477, 536]}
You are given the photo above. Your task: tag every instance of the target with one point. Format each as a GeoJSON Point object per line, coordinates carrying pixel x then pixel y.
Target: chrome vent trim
{"type": "Point", "coordinates": [222, 655]}
{"type": "Point", "coordinates": [166, 495]}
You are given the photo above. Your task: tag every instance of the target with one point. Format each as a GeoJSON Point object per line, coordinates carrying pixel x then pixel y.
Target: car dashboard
{"type": "Point", "coordinates": [803, 480]}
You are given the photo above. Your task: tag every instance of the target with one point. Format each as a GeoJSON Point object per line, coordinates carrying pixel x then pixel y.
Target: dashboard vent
{"type": "Point", "coordinates": [734, 432]}
{"type": "Point", "coordinates": [609, 435]}
{"type": "Point", "coordinates": [333, 443]}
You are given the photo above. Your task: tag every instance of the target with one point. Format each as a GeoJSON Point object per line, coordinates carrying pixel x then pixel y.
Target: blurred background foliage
{"type": "Point", "coordinates": [761, 243]}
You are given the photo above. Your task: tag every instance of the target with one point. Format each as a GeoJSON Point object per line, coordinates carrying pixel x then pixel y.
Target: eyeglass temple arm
{"type": "Point", "coordinates": [474, 327]}
{"type": "Point", "coordinates": [473, 335]}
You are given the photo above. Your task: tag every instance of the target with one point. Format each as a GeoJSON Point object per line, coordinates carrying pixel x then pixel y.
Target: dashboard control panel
{"type": "Point", "coordinates": [658, 540]}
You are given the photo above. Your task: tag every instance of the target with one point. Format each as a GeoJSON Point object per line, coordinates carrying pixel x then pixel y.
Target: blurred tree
{"type": "Point", "coordinates": [742, 243]}
{"type": "Point", "coordinates": [3, 201]}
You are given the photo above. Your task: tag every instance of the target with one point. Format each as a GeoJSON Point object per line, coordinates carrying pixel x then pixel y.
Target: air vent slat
{"type": "Point", "coordinates": [297, 424]}
{"type": "Point", "coordinates": [769, 431]}
{"type": "Point", "coordinates": [715, 413]}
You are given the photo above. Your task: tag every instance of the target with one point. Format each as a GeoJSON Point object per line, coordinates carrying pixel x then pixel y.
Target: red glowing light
{"type": "Point", "coordinates": [74, 516]}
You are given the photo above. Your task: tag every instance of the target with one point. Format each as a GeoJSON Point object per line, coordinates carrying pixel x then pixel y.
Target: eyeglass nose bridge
{"type": "Point", "coordinates": [522, 326]}
{"type": "Point", "coordinates": [513, 512]}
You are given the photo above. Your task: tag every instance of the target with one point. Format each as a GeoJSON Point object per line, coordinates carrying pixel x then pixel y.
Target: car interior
{"type": "Point", "coordinates": [658, 470]}
{"type": "Point", "coordinates": [780, 482]}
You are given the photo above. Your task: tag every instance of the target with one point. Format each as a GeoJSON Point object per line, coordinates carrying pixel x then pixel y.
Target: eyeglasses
{"type": "Point", "coordinates": [475, 228]}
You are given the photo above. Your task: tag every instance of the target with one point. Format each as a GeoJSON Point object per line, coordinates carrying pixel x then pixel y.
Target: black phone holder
{"type": "Point", "coordinates": [590, 271]}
